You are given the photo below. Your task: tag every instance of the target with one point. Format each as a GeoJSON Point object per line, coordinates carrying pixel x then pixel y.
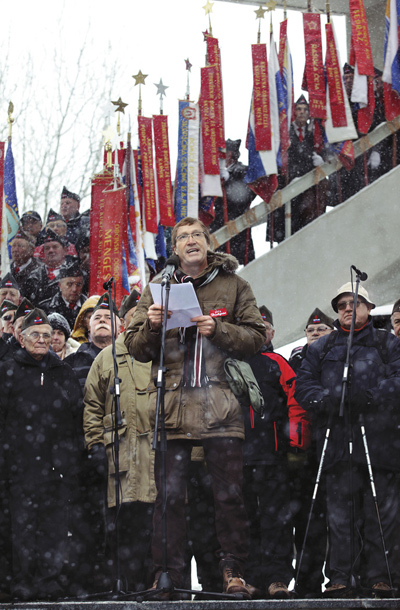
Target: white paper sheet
{"type": "Point", "coordinates": [183, 303]}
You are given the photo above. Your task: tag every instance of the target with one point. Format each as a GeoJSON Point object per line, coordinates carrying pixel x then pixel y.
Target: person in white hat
{"type": "Point", "coordinates": [356, 561]}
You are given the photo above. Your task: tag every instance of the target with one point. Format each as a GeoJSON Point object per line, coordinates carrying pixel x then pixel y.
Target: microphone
{"type": "Point", "coordinates": [109, 283]}
{"type": "Point", "coordinates": [363, 276]}
{"type": "Point", "coordinates": [171, 264]}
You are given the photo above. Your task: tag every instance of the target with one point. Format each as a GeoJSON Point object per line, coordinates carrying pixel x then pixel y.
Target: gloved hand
{"type": "Point", "coordinates": [327, 404]}
{"type": "Point", "coordinates": [374, 160]}
{"type": "Point", "coordinates": [98, 460]}
{"type": "Point", "coordinates": [223, 170]}
{"type": "Point", "coordinates": [317, 159]}
{"type": "Point", "coordinates": [360, 403]}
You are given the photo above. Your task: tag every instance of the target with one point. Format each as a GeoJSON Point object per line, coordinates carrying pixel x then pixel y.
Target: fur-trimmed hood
{"type": "Point", "coordinates": [219, 259]}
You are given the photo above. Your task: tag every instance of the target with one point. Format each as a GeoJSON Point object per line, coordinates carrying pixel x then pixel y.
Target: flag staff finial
{"type": "Point", "coordinates": [161, 92]}
{"type": "Point", "coordinates": [139, 80]}
{"type": "Point", "coordinates": [208, 9]}
{"type": "Point", "coordinates": [259, 15]}
{"type": "Point", "coordinates": [120, 108]}
{"type": "Point", "coordinates": [188, 68]}
{"type": "Point", "coordinates": [10, 120]}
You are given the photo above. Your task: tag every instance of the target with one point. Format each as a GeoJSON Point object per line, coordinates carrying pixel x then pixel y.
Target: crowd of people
{"type": "Point", "coordinates": [238, 486]}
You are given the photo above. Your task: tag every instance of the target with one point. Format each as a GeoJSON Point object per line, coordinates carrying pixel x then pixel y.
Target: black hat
{"type": "Point", "coordinates": [30, 214]}
{"type": "Point", "coordinates": [21, 234]}
{"type": "Point", "coordinates": [301, 100]}
{"type": "Point", "coordinates": [34, 318]}
{"type": "Point", "coordinates": [348, 69]}
{"type": "Point", "coordinates": [50, 235]}
{"type": "Point", "coordinates": [58, 322]}
{"type": "Point", "coordinates": [128, 302]}
{"type": "Point", "coordinates": [233, 146]}
{"type": "Point", "coordinates": [52, 215]}
{"type": "Point", "coordinates": [103, 303]}
{"type": "Point", "coordinates": [396, 306]}
{"type": "Point", "coordinates": [68, 194]}
{"type": "Point", "coordinates": [70, 270]}
{"type": "Point", "coordinates": [9, 281]}
{"type": "Point", "coordinates": [319, 317]}
{"type": "Point", "coordinates": [24, 308]}
{"type": "Point", "coordinates": [7, 306]}
{"type": "Point", "coordinates": [266, 314]}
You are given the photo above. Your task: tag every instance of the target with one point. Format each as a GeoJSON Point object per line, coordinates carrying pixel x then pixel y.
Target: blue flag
{"type": "Point", "coordinates": [10, 197]}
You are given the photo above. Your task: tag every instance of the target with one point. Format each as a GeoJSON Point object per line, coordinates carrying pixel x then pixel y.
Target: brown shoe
{"type": "Point", "coordinates": [338, 591]}
{"type": "Point", "coordinates": [232, 580]}
{"type": "Point", "coordinates": [381, 590]}
{"type": "Point", "coordinates": [278, 590]}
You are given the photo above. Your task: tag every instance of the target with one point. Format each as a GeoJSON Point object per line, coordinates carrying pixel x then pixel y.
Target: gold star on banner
{"type": "Point", "coordinates": [208, 7]}
{"type": "Point", "coordinates": [271, 5]}
{"type": "Point", "coordinates": [108, 134]}
{"type": "Point", "coordinates": [161, 88]}
{"type": "Point", "coordinates": [120, 105]}
{"type": "Point", "coordinates": [260, 12]}
{"type": "Point", "coordinates": [140, 78]}
{"type": "Point", "coordinates": [312, 25]}
{"type": "Point", "coordinates": [188, 64]}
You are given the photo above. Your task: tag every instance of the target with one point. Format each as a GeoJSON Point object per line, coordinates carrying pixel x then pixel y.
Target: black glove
{"type": "Point", "coordinates": [360, 403]}
{"type": "Point", "coordinates": [98, 460]}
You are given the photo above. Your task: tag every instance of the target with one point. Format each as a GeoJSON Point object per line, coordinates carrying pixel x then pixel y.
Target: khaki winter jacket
{"type": "Point", "coordinates": [212, 410]}
{"type": "Point", "coordinates": [136, 457]}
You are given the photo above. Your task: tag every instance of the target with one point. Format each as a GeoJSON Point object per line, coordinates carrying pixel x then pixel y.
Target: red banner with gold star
{"type": "Point", "coordinates": [335, 82]}
{"type": "Point", "coordinates": [209, 127]}
{"type": "Point", "coordinates": [214, 59]}
{"type": "Point", "coordinates": [314, 70]}
{"type": "Point", "coordinates": [361, 45]}
{"type": "Point", "coordinates": [148, 186]}
{"type": "Point", "coordinates": [163, 170]}
{"type": "Point", "coordinates": [262, 113]}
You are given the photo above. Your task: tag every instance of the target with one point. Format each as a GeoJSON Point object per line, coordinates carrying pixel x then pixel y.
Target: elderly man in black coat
{"type": "Point", "coordinates": [38, 408]}
{"type": "Point", "coordinates": [356, 558]}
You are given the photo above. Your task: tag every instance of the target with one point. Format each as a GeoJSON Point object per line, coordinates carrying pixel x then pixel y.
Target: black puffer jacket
{"type": "Point", "coordinates": [39, 404]}
{"type": "Point", "coordinates": [374, 375]}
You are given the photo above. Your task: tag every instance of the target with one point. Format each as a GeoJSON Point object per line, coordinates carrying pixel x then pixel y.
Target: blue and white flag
{"type": "Point", "coordinates": [10, 198]}
{"type": "Point", "coordinates": [391, 71]}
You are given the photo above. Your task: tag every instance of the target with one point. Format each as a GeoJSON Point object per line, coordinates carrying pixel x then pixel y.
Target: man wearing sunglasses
{"type": "Point", "coordinates": [356, 562]}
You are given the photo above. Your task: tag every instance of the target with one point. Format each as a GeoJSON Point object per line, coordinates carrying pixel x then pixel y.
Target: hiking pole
{"type": "Point", "coordinates": [375, 498]}
{"type": "Point", "coordinates": [314, 496]}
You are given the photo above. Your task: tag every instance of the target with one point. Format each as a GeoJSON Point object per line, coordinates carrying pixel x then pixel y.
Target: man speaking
{"type": "Point", "coordinates": [200, 408]}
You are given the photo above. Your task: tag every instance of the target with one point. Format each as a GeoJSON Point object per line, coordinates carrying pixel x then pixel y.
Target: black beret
{"type": "Point", "coordinates": [266, 314]}
{"type": "Point", "coordinates": [9, 281]}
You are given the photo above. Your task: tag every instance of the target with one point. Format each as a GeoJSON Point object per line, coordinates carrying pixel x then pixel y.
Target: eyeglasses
{"type": "Point", "coordinates": [185, 236]}
{"type": "Point", "coordinates": [316, 329]}
{"type": "Point", "coordinates": [343, 304]}
{"type": "Point", "coordinates": [35, 336]}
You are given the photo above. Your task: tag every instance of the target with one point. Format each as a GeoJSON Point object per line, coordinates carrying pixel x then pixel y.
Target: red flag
{"type": "Point", "coordinates": [2, 148]}
{"type": "Point", "coordinates": [314, 70]}
{"type": "Point", "coordinates": [365, 115]}
{"type": "Point", "coordinates": [361, 44]}
{"type": "Point", "coordinates": [262, 114]}
{"type": "Point", "coordinates": [209, 127]}
{"type": "Point", "coordinates": [334, 78]}
{"type": "Point", "coordinates": [163, 170]}
{"type": "Point", "coordinates": [214, 58]}
{"type": "Point", "coordinates": [148, 186]}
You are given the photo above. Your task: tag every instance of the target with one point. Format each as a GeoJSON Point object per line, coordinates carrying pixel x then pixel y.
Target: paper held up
{"type": "Point", "coordinates": [183, 304]}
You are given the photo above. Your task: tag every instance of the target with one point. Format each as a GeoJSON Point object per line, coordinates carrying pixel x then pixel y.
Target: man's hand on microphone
{"type": "Point", "coordinates": [205, 324]}
{"type": "Point", "coordinates": [155, 315]}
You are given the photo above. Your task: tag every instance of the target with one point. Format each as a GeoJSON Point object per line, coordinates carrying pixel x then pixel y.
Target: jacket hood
{"type": "Point", "coordinates": [219, 259]}
{"type": "Point", "coordinates": [80, 333]}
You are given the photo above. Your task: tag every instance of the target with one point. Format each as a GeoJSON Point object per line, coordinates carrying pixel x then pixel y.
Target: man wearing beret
{"type": "Point", "coordinates": [356, 560]}
{"type": "Point", "coordinates": [128, 307]}
{"type": "Point", "coordinates": [69, 298]}
{"type": "Point", "coordinates": [318, 325]}
{"type": "Point", "coordinates": [46, 277]}
{"type": "Point", "coordinates": [395, 318]}
{"type": "Point", "coordinates": [58, 224]}
{"type": "Point", "coordinates": [9, 289]}
{"type": "Point", "coordinates": [31, 223]}
{"type": "Point", "coordinates": [23, 263]}
{"type": "Point", "coordinates": [39, 406]}
{"type": "Point", "coordinates": [69, 209]}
